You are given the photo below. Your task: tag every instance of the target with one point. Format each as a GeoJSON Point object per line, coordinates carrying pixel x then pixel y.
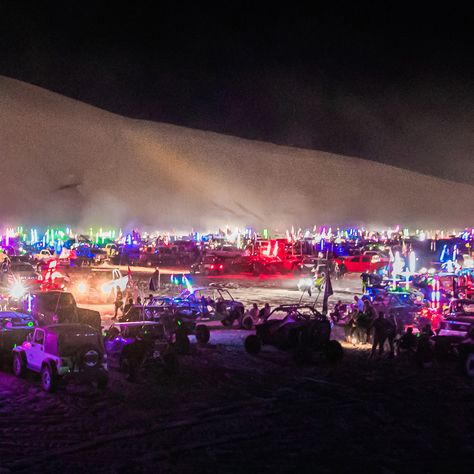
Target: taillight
{"type": "Point", "coordinates": [212, 267]}
{"type": "Point", "coordinates": [221, 267]}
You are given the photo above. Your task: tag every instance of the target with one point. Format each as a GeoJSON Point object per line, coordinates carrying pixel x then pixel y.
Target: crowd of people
{"type": "Point", "coordinates": [367, 324]}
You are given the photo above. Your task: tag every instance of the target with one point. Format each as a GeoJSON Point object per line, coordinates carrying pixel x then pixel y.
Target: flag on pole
{"type": "Point", "coordinates": [327, 292]}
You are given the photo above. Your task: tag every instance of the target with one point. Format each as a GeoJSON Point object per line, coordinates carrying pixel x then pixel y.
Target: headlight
{"type": "Point", "coordinates": [17, 290]}
{"type": "Point", "coordinates": [82, 287]}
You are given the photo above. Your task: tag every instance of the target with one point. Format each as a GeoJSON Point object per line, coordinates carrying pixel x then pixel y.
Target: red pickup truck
{"type": "Point", "coordinates": [362, 263]}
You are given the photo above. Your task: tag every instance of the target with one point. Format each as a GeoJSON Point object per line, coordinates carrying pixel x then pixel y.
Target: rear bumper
{"type": "Point", "coordinates": [85, 376]}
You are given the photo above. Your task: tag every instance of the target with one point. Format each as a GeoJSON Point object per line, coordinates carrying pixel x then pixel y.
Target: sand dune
{"type": "Point", "coordinates": [66, 162]}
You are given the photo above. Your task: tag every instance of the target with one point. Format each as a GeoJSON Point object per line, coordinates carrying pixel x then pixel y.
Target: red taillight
{"type": "Point", "coordinates": [221, 267]}
{"type": "Point", "coordinates": [212, 267]}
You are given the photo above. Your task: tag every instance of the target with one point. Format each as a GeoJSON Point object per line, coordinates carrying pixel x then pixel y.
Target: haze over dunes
{"type": "Point", "coordinates": [65, 162]}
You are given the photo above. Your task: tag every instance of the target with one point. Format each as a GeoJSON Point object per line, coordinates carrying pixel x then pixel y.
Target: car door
{"type": "Point", "coordinates": [353, 264]}
{"type": "Point", "coordinates": [35, 353]}
{"type": "Point", "coordinates": [365, 265]}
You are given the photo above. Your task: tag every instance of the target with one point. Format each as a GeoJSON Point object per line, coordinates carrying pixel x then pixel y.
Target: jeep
{"type": "Point", "coordinates": [62, 352]}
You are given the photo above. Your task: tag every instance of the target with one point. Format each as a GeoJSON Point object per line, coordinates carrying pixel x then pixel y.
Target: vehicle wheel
{"type": "Point", "coordinates": [202, 334]}
{"type": "Point", "coordinates": [253, 345]}
{"type": "Point", "coordinates": [227, 322]}
{"type": "Point", "coordinates": [19, 365]}
{"type": "Point", "coordinates": [170, 363]}
{"type": "Point", "coordinates": [182, 343]}
{"type": "Point", "coordinates": [333, 351]}
{"type": "Point", "coordinates": [247, 323]}
{"type": "Point", "coordinates": [49, 379]}
{"type": "Point", "coordinates": [469, 365]}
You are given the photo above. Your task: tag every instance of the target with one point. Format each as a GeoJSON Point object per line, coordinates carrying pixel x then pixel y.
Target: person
{"type": "Point", "coordinates": [350, 328]}
{"type": "Point", "coordinates": [149, 300]}
{"type": "Point", "coordinates": [375, 280]}
{"type": "Point", "coordinates": [407, 342]}
{"type": "Point", "coordinates": [365, 281]}
{"type": "Point", "coordinates": [265, 312]}
{"type": "Point", "coordinates": [135, 354]}
{"type": "Point", "coordinates": [342, 270]}
{"type": "Point", "coordinates": [139, 301]}
{"type": "Point", "coordinates": [254, 312]}
{"type": "Point", "coordinates": [359, 304]}
{"type": "Point", "coordinates": [155, 280]}
{"type": "Point", "coordinates": [424, 349]}
{"type": "Point", "coordinates": [380, 334]}
{"type": "Point", "coordinates": [364, 322]}
{"type": "Point", "coordinates": [391, 332]}
{"type": "Point", "coordinates": [338, 311]}
{"type": "Point", "coordinates": [427, 331]}
{"type": "Point", "coordinates": [337, 271]}
{"type": "Point", "coordinates": [118, 301]}
{"type": "Point", "coordinates": [127, 308]}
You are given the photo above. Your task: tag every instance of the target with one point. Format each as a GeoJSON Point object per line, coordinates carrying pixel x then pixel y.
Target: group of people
{"type": "Point", "coordinates": [367, 324]}
{"type": "Point", "coordinates": [128, 307]}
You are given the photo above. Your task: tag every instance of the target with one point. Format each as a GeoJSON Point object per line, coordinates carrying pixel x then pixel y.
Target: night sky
{"type": "Point", "coordinates": [386, 84]}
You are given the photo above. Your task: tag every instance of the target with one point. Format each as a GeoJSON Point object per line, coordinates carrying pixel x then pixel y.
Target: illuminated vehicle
{"type": "Point", "coordinates": [226, 251]}
{"type": "Point", "coordinates": [19, 278]}
{"type": "Point", "coordinates": [62, 352]}
{"type": "Point", "coordinates": [53, 307]}
{"type": "Point", "coordinates": [377, 256]}
{"type": "Point", "coordinates": [455, 334]}
{"type": "Point", "coordinates": [361, 263]}
{"type": "Point", "coordinates": [43, 255]}
{"type": "Point", "coordinates": [402, 305]}
{"type": "Point", "coordinates": [273, 256]}
{"type": "Point", "coordinates": [298, 328]}
{"type": "Point", "coordinates": [176, 318]}
{"type": "Point", "coordinates": [457, 320]}
{"type": "Point", "coordinates": [209, 265]}
{"type": "Point", "coordinates": [100, 285]}
{"type": "Point", "coordinates": [307, 265]}
{"type": "Point", "coordinates": [130, 344]}
{"type": "Point", "coordinates": [53, 279]}
{"type": "Point", "coordinates": [87, 255]}
{"type": "Point", "coordinates": [14, 329]}
{"type": "Point", "coordinates": [111, 249]}
{"type": "Point", "coordinates": [209, 304]}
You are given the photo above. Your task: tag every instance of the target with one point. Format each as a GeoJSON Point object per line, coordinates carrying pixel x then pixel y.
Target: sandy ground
{"type": "Point", "coordinates": [226, 411]}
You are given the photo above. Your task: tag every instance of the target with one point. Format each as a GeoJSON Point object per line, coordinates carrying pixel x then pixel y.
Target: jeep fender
{"type": "Point", "coordinates": [19, 350]}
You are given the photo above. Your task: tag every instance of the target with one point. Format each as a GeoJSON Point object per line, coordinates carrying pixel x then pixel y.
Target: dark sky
{"type": "Point", "coordinates": [386, 84]}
